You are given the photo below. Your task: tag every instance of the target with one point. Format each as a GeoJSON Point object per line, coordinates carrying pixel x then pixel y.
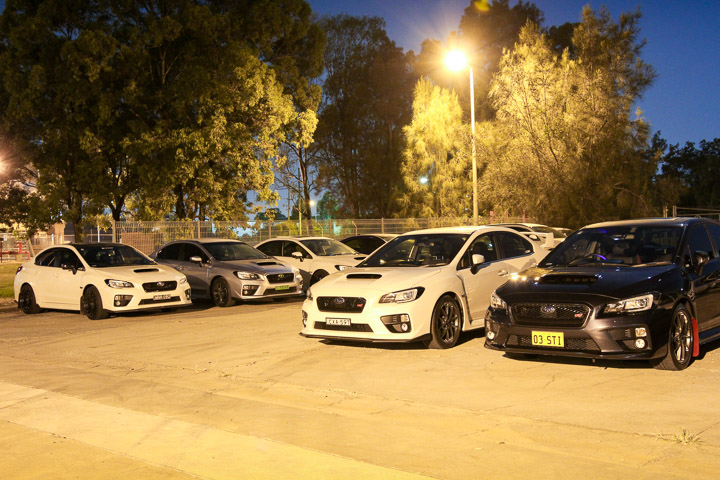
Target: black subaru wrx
{"type": "Point", "coordinates": [636, 289]}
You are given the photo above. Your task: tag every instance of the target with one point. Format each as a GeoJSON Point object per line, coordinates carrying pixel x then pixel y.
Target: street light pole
{"type": "Point", "coordinates": [474, 161]}
{"type": "Point", "coordinates": [457, 60]}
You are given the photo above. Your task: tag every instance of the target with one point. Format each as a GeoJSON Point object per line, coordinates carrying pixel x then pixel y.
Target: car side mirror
{"type": "Point", "coordinates": [73, 268]}
{"type": "Point", "coordinates": [297, 255]}
{"type": "Point", "coordinates": [701, 259]}
{"type": "Point", "coordinates": [196, 259]}
{"type": "Point", "coordinates": [476, 261]}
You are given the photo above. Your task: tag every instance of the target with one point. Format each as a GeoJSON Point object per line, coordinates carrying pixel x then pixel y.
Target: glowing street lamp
{"type": "Point", "coordinates": [456, 60]}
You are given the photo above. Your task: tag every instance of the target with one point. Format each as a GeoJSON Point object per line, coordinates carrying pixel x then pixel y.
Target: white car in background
{"type": "Point", "coordinates": [97, 279]}
{"type": "Point", "coordinates": [315, 257]}
{"type": "Point", "coordinates": [536, 232]}
{"type": "Point", "coordinates": [427, 285]}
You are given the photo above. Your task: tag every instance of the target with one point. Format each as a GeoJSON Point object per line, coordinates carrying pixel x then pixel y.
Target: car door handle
{"type": "Point", "coordinates": [502, 273]}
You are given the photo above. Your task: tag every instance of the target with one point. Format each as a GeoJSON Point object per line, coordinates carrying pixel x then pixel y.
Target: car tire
{"type": "Point", "coordinates": [220, 293]}
{"type": "Point", "coordinates": [445, 324]}
{"type": "Point", "coordinates": [317, 276]}
{"type": "Point", "coordinates": [91, 304]}
{"type": "Point", "coordinates": [26, 300]}
{"type": "Point", "coordinates": [680, 342]}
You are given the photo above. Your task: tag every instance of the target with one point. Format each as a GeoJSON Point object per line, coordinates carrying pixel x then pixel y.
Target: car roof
{"type": "Point", "coordinates": [460, 229]}
{"type": "Point", "coordinates": [100, 244]}
{"type": "Point", "coordinates": [210, 240]}
{"type": "Point", "coordinates": [660, 221]}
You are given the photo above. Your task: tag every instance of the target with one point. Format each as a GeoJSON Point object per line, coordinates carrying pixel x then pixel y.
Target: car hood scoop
{"type": "Point", "coordinates": [264, 264]}
{"type": "Point", "coordinates": [568, 279]}
{"type": "Point", "coordinates": [146, 270]}
{"type": "Point", "coordinates": [371, 276]}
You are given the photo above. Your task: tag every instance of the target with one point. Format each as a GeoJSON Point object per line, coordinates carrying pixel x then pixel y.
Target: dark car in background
{"type": "Point", "coordinates": [226, 270]}
{"type": "Point", "coordinates": [637, 289]}
{"type": "Point", "coordinates": [367, 243]}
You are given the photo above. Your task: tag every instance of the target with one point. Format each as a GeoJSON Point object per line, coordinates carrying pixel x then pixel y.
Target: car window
{"type": "Point", "coordinates": [228, 251]}
{"type": "Point", "coordinates": [67, 257]}
{"type": "Point", "coordinates": [354, 243]}
{"type": "Point", "coordinates": [170, 252]}
{"type": "Point", "coordinates": [272, 248]}
{"type": "Point", "coordinates": [715, 235]}
{"type": "Point", "coordinates": [101, 256]}
{"type": "Point", "coordinates": [47, 258]}
{"type": "Point", "coordinates": [190, 251]}
{"type": "Point", "coordinates": [326, 247]}
{"type": "Point", "coordinates": [700, 241]}
{"type": "Point", "coordinates": [512, 245]}
{"type": "Point", "coordinates": [482, 245]}
{"type": "Point", "coordinates": [291, 247]}
{"type": "Point", "coordinates": [423, 250]}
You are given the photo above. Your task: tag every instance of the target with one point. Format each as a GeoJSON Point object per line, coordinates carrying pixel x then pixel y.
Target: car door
{"type": "Point", "coordinates": [705, 283]}
{"type": "Point", "coordinates": [304, 264]}
{"type": "Point", "coordinates": [68, 277]}
{"type": "Point", "coordinates": [714, 305]}
{"type": "Point", "coordinates": [43, 282]}
{"type": "Point", "coordinates": [482, 280]}
{"type": "Point", "coordinates": [198, 274]}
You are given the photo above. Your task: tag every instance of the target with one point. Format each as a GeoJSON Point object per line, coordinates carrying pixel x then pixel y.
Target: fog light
{"type": "Point", "coordinates": [122, 300]}
{"type": "Point", "coordinates": [395, 319]}
{"type": "Point", "coordinates": [640, 343]}
{"type": "Point", "coordinates": [249, 289]}
{"type": "Point", "coordinates": [405, 327]}
{"type": "Point", "coordinates": [490, 334]}
{"type": "Point", "coordinates": [640, 332]}
{"type": "Point", "coordinates": [187, 294]}
{"type": "Point", "coordinates": [304, 318]}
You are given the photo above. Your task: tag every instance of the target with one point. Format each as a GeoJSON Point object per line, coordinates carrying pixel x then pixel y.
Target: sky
{"type": "Point", "coordinates": [683, 45]}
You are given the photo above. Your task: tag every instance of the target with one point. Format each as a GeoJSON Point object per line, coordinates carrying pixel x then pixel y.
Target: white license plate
{"type": "Point", "coordinates": [343, 322]}
{"type": "Point", "coordinates": [162, 297]}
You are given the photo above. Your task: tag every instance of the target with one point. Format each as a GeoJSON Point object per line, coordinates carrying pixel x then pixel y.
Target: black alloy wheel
{"type": "Point", "coordinates": [317, 276]}
{"type": "Point", "coordinates": [680, 342]}
{"type": "Point", "coordinates": [91, 304]}
{"type": "Point", "coordinates": [26, 300]}
{"type": "Point", "coordinates": [221, 293]}
{"type": "Point", "coordinates": [445, 324]}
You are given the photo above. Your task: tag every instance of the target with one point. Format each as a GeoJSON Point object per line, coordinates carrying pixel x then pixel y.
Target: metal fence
{"type": "Point", "coordinates": [149, 236]}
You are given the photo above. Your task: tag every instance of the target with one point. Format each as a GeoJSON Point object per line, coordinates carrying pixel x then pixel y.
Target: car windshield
{"type": "Point", "coordinates": [101, 256]}
{"type": "Point", "coordinates": [228, 251]}
{"type": "Point", "coordinates": [326, 247]}
{"type": "Point", "coordinates": [621, 245]}
{"type": "Point", "coordinates": [423, 250]}
{"type": "Point", "coordinates": [544, 229]}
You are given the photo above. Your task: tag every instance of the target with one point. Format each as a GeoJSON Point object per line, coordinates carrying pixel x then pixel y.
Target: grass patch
{"type": "Point", "coordinates": [684, 437]}
{"type": "Point", "coordinates": [7, 277]}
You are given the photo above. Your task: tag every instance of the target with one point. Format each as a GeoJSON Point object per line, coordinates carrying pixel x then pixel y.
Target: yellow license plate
{"type": "Point", "coordinates": [548, 339]}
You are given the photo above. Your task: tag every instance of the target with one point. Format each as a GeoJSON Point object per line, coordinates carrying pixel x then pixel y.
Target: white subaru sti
{"type": "Point", "coordinates": [427, 285]}
{"type": "Point", "coordinates": [97, 279]}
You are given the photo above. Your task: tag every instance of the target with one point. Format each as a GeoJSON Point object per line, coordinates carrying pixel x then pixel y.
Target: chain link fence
{"type": "Point", "coordinates": [149, 236]}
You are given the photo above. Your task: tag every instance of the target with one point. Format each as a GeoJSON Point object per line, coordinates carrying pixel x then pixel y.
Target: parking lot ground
{"type": "Point", "coordinates": [237, 393]}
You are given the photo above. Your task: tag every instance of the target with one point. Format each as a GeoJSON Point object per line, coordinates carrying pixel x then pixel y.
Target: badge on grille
{"type": "Point", "coordinates": [547, 309]}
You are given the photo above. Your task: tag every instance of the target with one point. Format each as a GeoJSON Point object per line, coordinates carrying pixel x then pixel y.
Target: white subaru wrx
{"type": "Point", "coordinates": [97, 279]}
{"type": "Point", "coordinates": [427, 285]}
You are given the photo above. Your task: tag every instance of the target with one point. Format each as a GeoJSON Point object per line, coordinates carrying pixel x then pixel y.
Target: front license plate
{"type": "Point", "coordinates": [161, 297]}
{"type": "Point", "coordinates": [282, 287]}
{"type": "Point", "coordinates": [343, 322]}
{"type": "Point", "coordinates": [548, 339]}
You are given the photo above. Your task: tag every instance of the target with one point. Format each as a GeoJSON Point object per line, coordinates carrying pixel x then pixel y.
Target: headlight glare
{"type": "Point", "coordinates": [631, 305]}
{"type": "Point", "coordinates": [118, 283]}
{"type": "Point", "coordinates": [342, 267]}
{"type": "Point", "coordinates": [249, 276]}
{"type": "Point", "coordinates": [497, 302]}
{"type": "Point", "coordinates": [402, 296]}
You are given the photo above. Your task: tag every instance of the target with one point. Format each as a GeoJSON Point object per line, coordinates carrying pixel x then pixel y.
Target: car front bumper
{"type": "Point", "coordinates": [261, 289]}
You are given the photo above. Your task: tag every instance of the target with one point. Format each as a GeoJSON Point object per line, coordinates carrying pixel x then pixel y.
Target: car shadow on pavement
{"type": "Point", "coordinates": [465, 337]}
{"type": "Point", "coordinates": [588, 362]}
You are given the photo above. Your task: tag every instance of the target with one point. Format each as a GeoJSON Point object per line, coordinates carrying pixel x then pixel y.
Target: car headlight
{"type": "Point", "coordinates": [631, 305]}
{"type": "Point", "coordinates": [249, 276]}
{"type": "Point", "coordinates": [118, 283]}
{"type": "Point", "coordinates": [497, 302]}
{"type": "Point", "coordinates": [183, 280]}
{"type": "Point", "coordinates": [342, 267]}
{"type": "Point", "coordinates": [402, 296]}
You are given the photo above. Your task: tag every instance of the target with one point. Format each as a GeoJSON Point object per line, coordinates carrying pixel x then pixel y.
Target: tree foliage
{"type": "Point", "coordinates": [367, 100]}
{"type": "Point", "coordinates": [436, 161]}
{"type": "Point", "coordinates": [565, 141]}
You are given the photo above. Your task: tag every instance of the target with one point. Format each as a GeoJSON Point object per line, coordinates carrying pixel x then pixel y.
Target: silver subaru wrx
{"type": "Point", "coordinates": [226, 270]}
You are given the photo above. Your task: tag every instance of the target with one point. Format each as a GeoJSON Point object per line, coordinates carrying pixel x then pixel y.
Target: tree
{"type": "Point", "coordinates": [436, 165]}
{"type": "Point", "coordinates": [689, 175]}
{"type": "Point", "coordinates": [366, 101]}
{"type": "Point", "coordinates": [564, 128]}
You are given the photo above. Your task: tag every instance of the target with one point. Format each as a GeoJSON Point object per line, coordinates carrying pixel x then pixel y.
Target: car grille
{"type": "Point", "coordinates": [550, 314]}
{"type": "Point", "coordinates": [576, 344]}
{"type": "Point", "coordinates": [159, 286]}
{"type": "Point", "coordinates": [355, 327]}
{"type": "Point", "coordinates": [341, 304]}
{"type": "Point", "coordinates": [281, 277]}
